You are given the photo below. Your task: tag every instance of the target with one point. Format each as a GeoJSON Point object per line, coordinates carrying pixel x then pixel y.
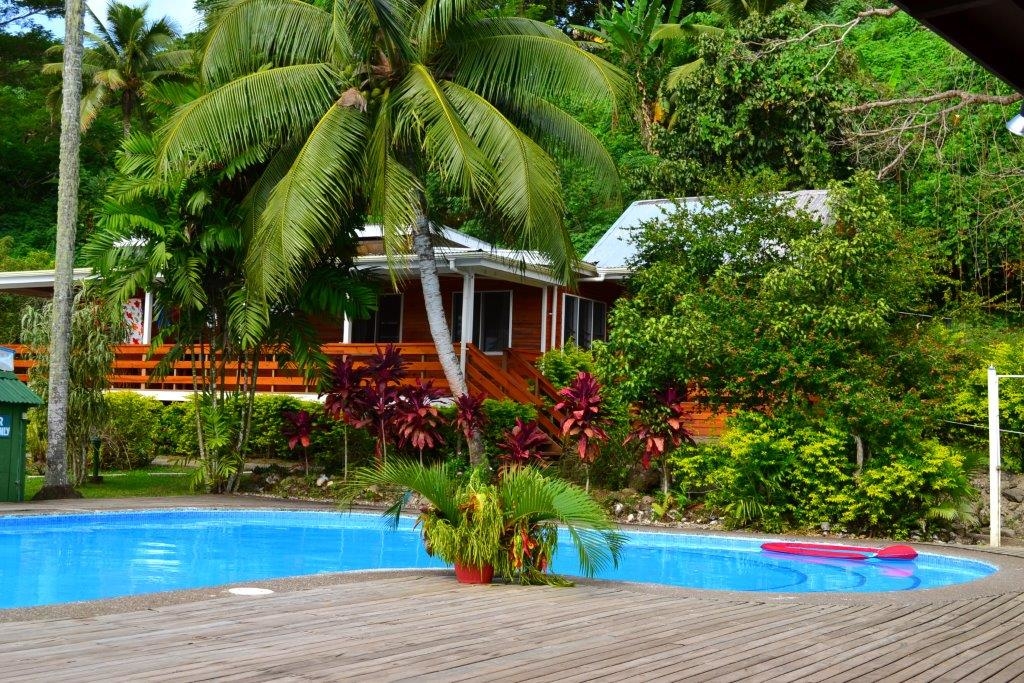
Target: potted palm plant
{"type": "Point", "coordinates": [509, 527]}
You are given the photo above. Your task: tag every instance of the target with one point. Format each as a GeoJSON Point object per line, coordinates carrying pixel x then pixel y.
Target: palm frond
{"type": "Point", "coordinates": [436, 483]}
{"type": "Point", "coordinates": [685, 31]}
{"type": "Point", "coordinates": [528, 495]}
{"type": "Point", "coordinates": [501, 59]}
{"type": "Point", "coordinates": [434, 19]}
{"type": "Point", "coordinates": [421, 102]}
{"type": "Point", "coordinates": [250, 33]}
{"type": "Point", "coordinates": [366, 26]}
{"type": "Point", "coordinates": [527, 188]}
{"type": "Point", "coordinates": [252, 110]}
{"type": "Point", "coordinates": [544, 121]}
{"type": "Point", "coordinates": [678, 75]}
{"type": "Point", "coordinates": [394, 193]}
{"type": "Point", "coordinates": [304, 207]}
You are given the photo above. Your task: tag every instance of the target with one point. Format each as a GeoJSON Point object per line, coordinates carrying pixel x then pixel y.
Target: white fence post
{"type": "Point", "coordinates": [994, 457]}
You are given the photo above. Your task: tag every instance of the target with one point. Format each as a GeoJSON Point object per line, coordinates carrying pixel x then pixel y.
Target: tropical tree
{"type": "Point", "coordinates": [364, 102]}
{"type": "Point", "coordinates": [93, 335]}
{"type": "Point", "coordinates": [177, 237]}
{"type": "Point", "coordinates": [57, 485]}
{"type": "Point", "coordinates": [126, 56]}
{"type": "Point", "coordinates": [654, 44]}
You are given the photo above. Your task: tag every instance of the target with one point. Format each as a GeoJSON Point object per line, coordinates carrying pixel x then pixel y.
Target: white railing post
{"type": "Point", "coordinates": [994, 457]}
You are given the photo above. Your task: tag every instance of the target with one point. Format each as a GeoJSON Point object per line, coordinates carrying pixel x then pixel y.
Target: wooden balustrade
{"type": "Point", "coordinates": [512, 376]}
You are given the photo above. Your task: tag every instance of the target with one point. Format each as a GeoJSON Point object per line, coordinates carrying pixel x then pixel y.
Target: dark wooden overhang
{"type": "Point", "coordinates": [989, 31]}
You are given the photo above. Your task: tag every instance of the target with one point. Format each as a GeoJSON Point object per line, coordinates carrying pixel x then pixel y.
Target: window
{"type": "Point", "coordinates": [492, 320]}
{"type": "Point", "coordinates": [384, 325]}
{"type": "Point", "coordinates": [583, 321]}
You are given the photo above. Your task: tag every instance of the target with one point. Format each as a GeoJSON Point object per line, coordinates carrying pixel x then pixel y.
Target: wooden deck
{"type": "Point", "coordinates": [425, 626]}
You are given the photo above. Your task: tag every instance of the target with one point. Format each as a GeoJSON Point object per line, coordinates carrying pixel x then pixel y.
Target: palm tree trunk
{"type": "Point", "coordinates": [423, 248]}
{"type": "Point", "coordinates": [57, 485]}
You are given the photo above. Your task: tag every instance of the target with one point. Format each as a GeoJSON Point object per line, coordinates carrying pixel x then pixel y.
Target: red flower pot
{"type": "Point", "coordinates": [464, 574]}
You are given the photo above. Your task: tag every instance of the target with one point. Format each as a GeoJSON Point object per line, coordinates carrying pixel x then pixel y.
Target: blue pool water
{"type": "Point", "coordinates": [66, 558]}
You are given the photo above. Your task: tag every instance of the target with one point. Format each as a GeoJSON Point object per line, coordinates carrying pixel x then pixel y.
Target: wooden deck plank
{"type": "Point", "coordinates": [426, 627]}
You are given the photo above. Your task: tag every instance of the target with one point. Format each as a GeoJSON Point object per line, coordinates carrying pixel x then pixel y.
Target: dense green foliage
{"type": "Point", "coordinates": [129, 430]}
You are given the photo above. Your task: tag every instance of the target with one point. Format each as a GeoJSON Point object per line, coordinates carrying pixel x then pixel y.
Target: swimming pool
{"type": "Point", "coordinates": [49, 559]}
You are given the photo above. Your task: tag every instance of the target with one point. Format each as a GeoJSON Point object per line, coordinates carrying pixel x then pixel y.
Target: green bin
{"type": "Point", "coordinates": [15, 399]}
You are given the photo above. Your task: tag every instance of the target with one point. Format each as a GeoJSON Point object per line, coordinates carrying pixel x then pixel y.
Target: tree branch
{"type": "Point", "coordinates": [966, 98]}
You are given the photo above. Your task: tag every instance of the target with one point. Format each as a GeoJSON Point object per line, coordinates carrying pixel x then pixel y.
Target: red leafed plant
{"type": "Point", "coordinates": [520, 445]}
{"type": "Point", "coordinates": [348, 399]}
{"type": "Point", "coordinates": [297, 428]}
{"type": "Point", "coordinates": [584, 417]}
{"type": "Point", "coordinates": [469, 414]}
{"type": "Point", "coordinates": [417, 420]}
{"type": "Point", "coordinates": [662, 428]}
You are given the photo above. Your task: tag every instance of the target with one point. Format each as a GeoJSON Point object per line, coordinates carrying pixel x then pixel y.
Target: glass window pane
{"type": "Point", "coordinates": [569, 318]}
{"type": "Point", "coordinates": [494, 310]}
{"type": "Point", "coordinates": [600, 321]}
{"type": "Point", "coordinates": [363, 329]}
{"type": "Point", "coordinates": [456, 317]}
{"type": "Point", "coordinates": [389, 318]}
{"type": "Point", "coordinates": [585, 323]}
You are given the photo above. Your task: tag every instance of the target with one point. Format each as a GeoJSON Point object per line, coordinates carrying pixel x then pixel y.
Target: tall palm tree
{"type": "Point", "coordinates": [57, 484]}
{"type": "Point", "coordinates": [363, 101]}
{"type": "Point", "coordinates": [126, 55]}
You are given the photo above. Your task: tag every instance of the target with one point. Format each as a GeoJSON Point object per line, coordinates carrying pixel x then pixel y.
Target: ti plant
{"type": "Point", "coordinates": [298, 427]}
{"type": "Point", "coordinates": [347, 399]}
{"type": "Point", "coordinates": [660, 429]}
{"type": "Point", "coordinates": [385, 372]}
{"type": "Point", "coordinates": [469, 417]}
{"type": "Point", "coordinates": [584, 417]}
{"type": "Point", "coordinates": [520, 446]}
{"type": "Point", "coordinates": [418, 421]}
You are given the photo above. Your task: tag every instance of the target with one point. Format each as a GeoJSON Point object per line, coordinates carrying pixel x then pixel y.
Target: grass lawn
{"type": "Point", "coordinates": [151, 481]}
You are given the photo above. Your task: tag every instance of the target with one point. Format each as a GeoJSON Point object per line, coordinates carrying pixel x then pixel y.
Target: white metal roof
{"type": "Point", "coordinates": [31, 281]}
{"type": "Point", "coordinates": [616, 248]}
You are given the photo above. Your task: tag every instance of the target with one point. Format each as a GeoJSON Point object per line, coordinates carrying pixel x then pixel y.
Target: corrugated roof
{"type": "Point", "coordinates": [616, 248]}
{"type": "Point", "coordinates": [13, 391]}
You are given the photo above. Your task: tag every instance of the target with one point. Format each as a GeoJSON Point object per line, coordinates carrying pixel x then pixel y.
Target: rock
{"type": "Point", "coordinates": [273, 479]}
{"type": "Point", "coordinates": [618, 508]}
{"type": "Point", "coordinates": [631, 518]}
{"type": "Point", "coordinates": [1009, 533]}
{"type": "Point", "coordinates": [322, 480]}
{"type": "Point", "coordinates": [1015, 494]}
{"type": "Point", "coordinates": [646, 501]}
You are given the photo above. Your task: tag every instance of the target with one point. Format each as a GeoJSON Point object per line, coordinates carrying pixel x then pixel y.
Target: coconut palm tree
{"type": "Point", "coordinates": [57, 484]}
{"type": "Point", "coordinates": [363, 101]}
{"type": "Point", "coordinates": [126, 55]}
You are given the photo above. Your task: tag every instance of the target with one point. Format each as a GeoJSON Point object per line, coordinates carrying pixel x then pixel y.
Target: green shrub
{"type": "Point", "coordinates": [778, 473]}
{"type": "Point", "coordinates": [129, 434]}
{"type": "Point", "coordinates": [912, 490]}
{"type": "Point", "coordinates": [501, 418]}
{"type": "Point", "coordinates": [561, 366]}
{"type": "Point", "coordinates": [266, 439]}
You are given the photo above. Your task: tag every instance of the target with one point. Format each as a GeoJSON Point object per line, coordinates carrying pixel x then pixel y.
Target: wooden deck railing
{"type": "Point", "coordinates": [512, 376]}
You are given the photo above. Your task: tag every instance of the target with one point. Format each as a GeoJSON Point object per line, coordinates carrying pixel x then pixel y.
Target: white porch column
{"type": "Point", "coordinates": [544, 319]}
{"type": "Point", "coordinates": [147, 318]}
{"type": "Point", "coordinates": [555, 341]}
{"type": "Point", "coordinates": [346, 330]}
{"type": "Point", "coordinates": [466, 333]}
